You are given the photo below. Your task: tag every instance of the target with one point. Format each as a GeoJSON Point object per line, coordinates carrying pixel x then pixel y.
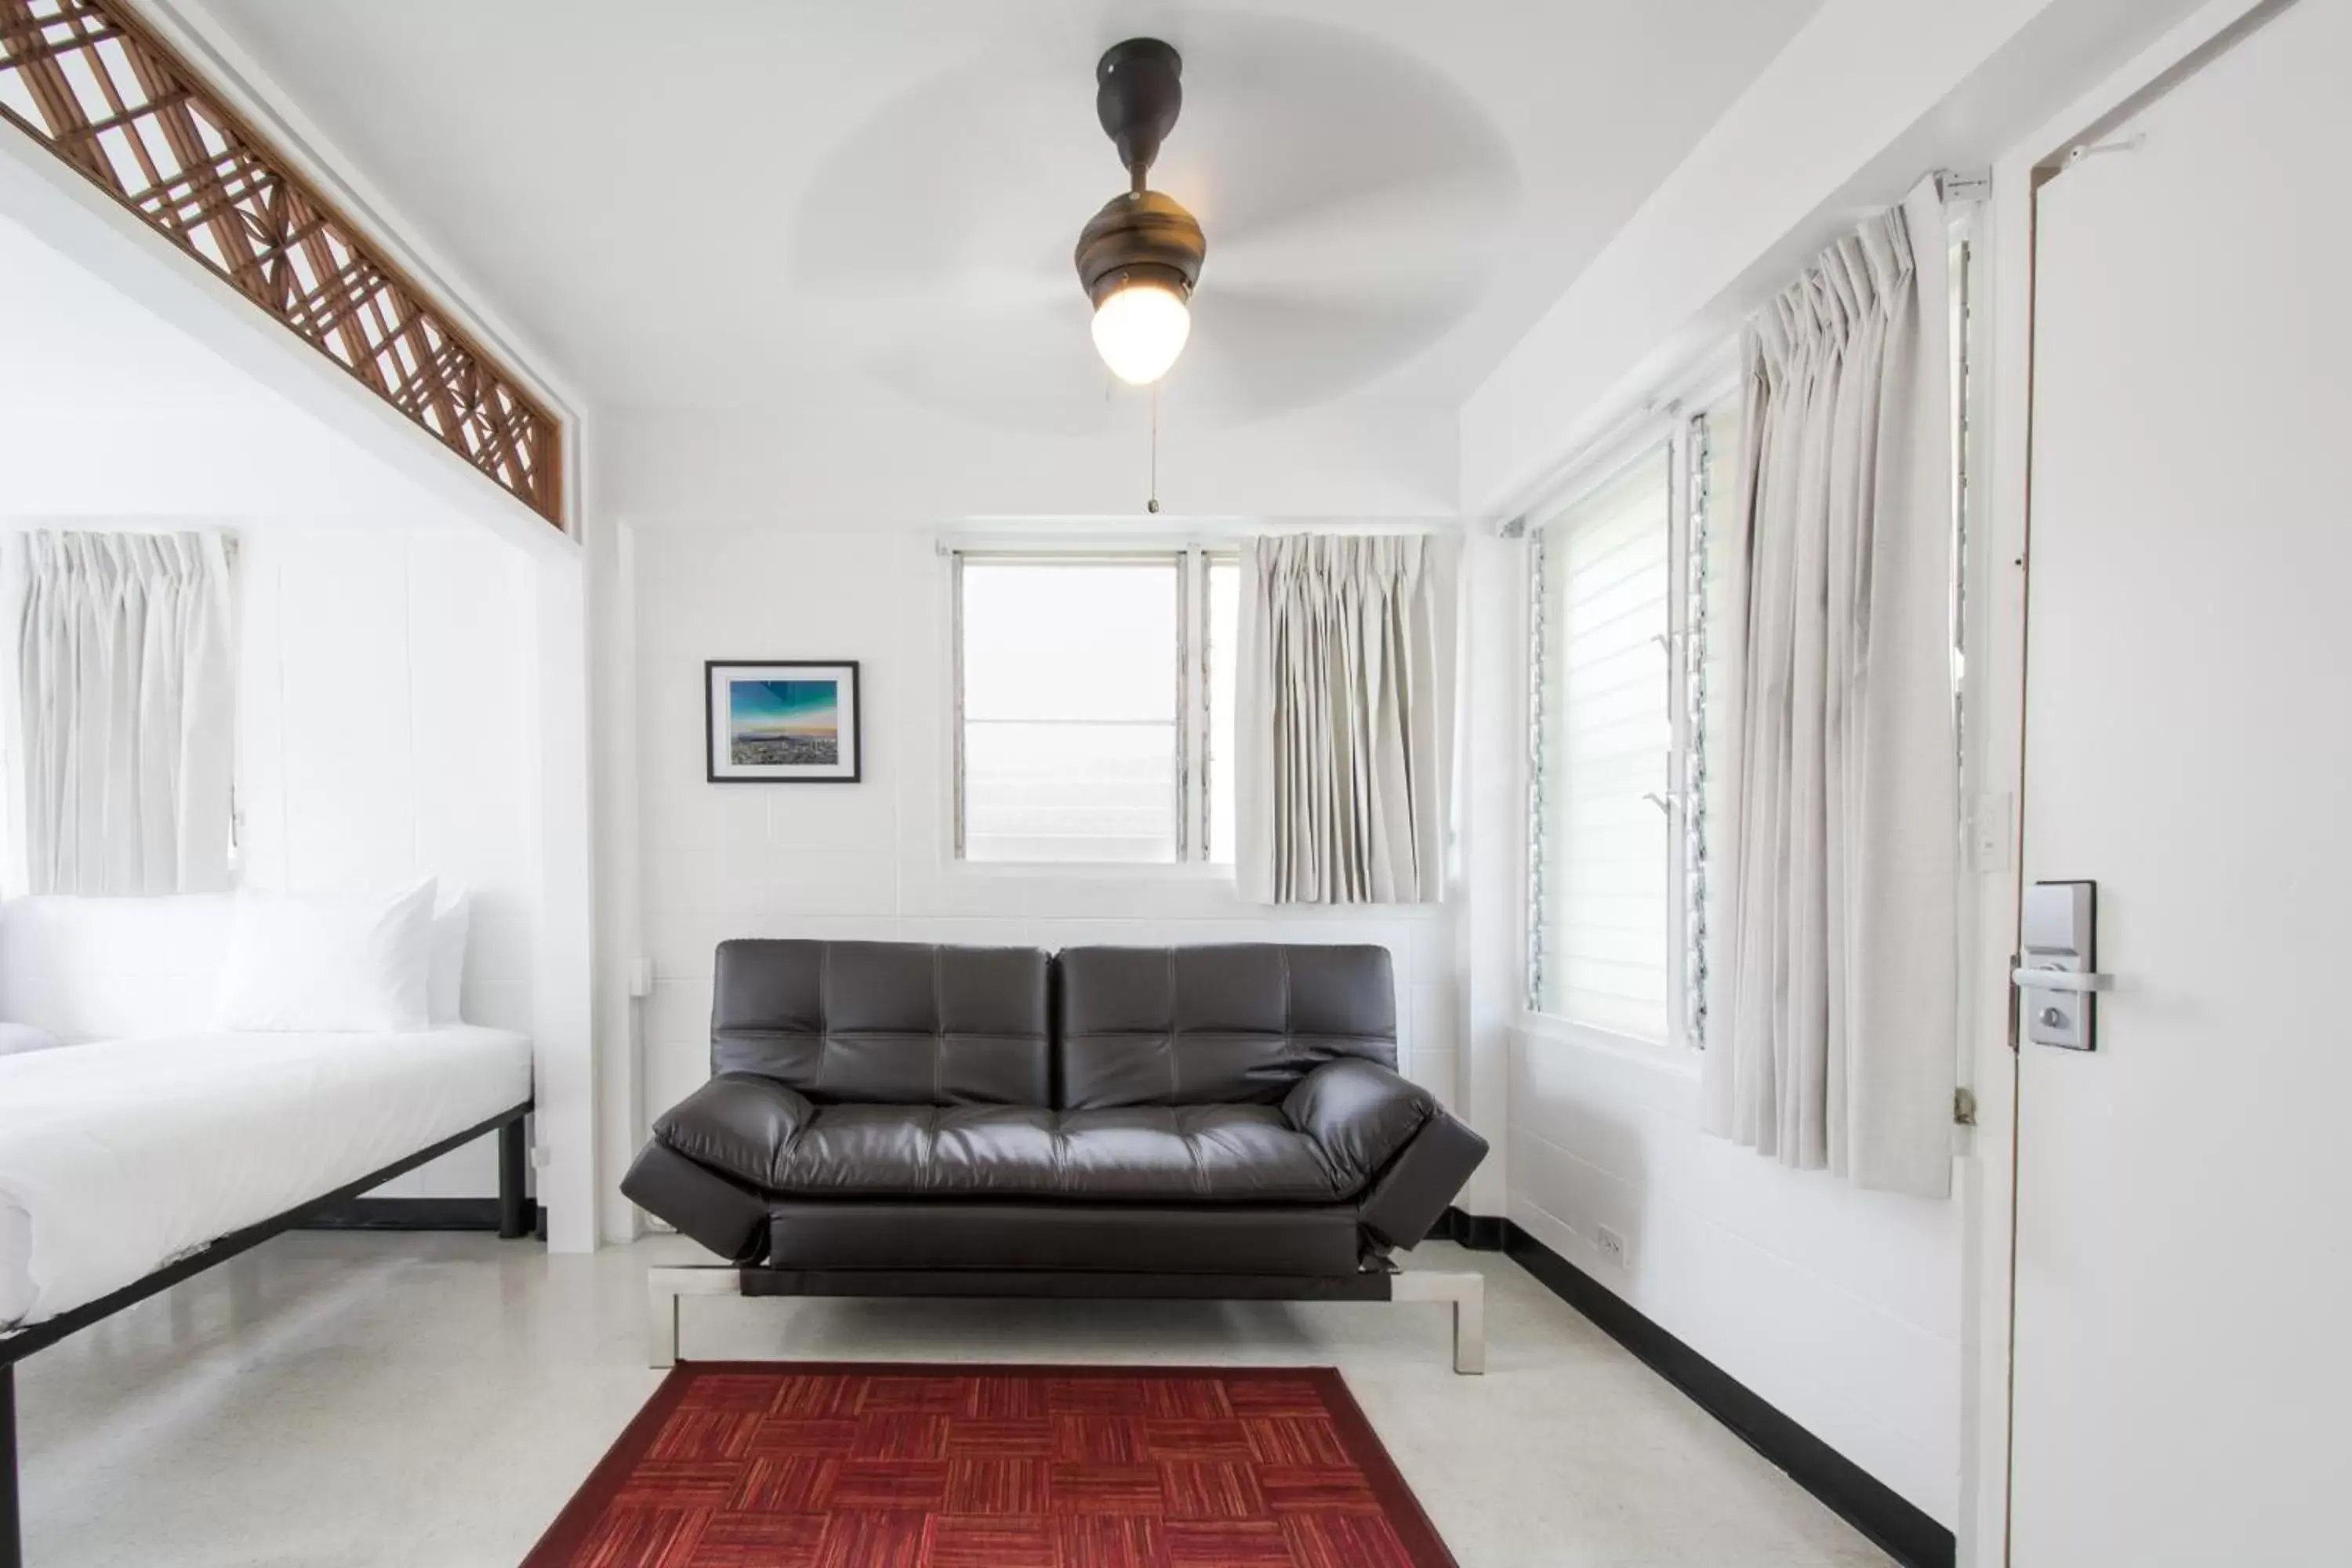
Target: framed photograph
{"type": "Point", "coordinates": [784, 721]}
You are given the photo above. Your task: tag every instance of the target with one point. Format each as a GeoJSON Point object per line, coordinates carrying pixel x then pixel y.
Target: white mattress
{"type": "Point", "coordinates": [118, 1156]}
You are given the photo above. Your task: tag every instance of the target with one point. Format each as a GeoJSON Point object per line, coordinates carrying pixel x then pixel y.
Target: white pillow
{"type": "Point", "coordinates": [15, 1037]}
{"type": "Point", "coordinates": [329, 964]}
{"type": "Point", "coordinates": [449, 922]}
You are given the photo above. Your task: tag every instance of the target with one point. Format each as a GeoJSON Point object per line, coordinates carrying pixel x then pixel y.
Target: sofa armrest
{"type": "Point", "coordinates": [718, 1211]}
{"type": "Point", "coordinates": [1408, 1198]}
{"type": "Point", "coordinates": [1360, 1114]}
{"type": "Point", "coordinates": [740, 1124]}
{"type": "Point", "coordinates": [1392, 1145]}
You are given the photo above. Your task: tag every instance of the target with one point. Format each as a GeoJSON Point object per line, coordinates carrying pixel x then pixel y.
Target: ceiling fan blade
{"type": "Point", "coordinates": [1257, 354]}
{"type": "Point", "coordinates": [1288, 124]}
{"type": "Point", "coordinates": [1428, 239]}
{"type": "Point", "coordinates": [970, 180]}
{"type": "Point", "coordinates": [1016, 369]}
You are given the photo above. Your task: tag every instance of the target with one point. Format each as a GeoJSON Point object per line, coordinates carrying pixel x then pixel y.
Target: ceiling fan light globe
{"type": "Point", "coordinates": [1139, 330]}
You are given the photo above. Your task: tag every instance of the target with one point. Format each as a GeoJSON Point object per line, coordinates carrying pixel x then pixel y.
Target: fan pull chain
{"type": "Point", "coordinates": [1151, 504]}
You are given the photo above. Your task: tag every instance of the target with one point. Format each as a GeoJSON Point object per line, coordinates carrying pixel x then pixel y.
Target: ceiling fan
{"type": "Point", "coordinates": [1360, 197]}
{"type": "Point", "coordinates": [1140, 256]}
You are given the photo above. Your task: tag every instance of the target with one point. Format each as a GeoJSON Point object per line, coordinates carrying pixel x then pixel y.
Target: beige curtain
{"type": "Point", "coordinates": [1340, 774]}
{"type": "Point", "coordinates": [1832, 1035]}
{"type": "Point", "coordinates": [125, 704]}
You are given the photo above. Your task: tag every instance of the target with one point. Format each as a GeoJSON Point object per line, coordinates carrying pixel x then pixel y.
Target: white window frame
{"type": "Point", "coordinates": [1685, 435]}
{"type": "Point", "coordinates": [1190, 671]}
{"type": "Point", "coordinates": [1691, 763]}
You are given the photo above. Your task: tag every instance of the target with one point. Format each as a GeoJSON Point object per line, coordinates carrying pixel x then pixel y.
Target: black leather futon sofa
{"type": "Point", "coordinates": [896, 1119]}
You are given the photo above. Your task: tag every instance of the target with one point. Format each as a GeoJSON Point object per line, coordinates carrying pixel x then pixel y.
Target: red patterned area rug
{"type": "Point", "coordinates": [822, 1465]}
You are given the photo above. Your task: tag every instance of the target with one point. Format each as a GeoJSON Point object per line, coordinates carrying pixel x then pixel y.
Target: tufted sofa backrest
{"type": "Point", "coordinates": [1201, 1025]}
{"type": "Point", "coordinates": [886, 1023]}
{"type": "Point", "coordinates": [1095, 1028]}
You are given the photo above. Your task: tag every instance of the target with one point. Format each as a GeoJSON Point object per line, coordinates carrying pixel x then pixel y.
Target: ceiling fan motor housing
{"type": "Point", "coordinates": [1142, 236]}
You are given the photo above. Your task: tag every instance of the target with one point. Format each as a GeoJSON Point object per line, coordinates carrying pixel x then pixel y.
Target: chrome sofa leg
{"type": "Point", "coordinates": [1467, 1290]}
{"type": "Point", "coordinates": [663, 1286]}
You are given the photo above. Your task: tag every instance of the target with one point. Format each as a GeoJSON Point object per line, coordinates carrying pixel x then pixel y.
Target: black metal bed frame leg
{"type": "Point", "coordinates": [514, 1197]}
{"type": "Point", "coordinates": [12, 1538]}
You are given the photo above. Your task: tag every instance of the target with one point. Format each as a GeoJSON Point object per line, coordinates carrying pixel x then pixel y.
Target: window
{"type": "Point", "coordinates": [1094, 696]}
{"type": "Point", "coordinates": [1603, 754]}
{"type": "Point", "coordinates": [1712, 593]}
{"type": "Point", "coordinates": [1635, 591]}
{"type": "Point", "coordinates": [1224, 573]}
{"type": "Point", "coordinates": [1632, 589]}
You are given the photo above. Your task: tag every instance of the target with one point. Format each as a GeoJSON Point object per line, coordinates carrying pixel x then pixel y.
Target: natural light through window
{"type": "Point", "coordinates": [1071, 722]}
{"type": "Point", "coordinates": [1604, 749]}
{"type": "Point", "coordinates": [1096, 702]}
{"type": "Point", "coordinates": [1225, 576]}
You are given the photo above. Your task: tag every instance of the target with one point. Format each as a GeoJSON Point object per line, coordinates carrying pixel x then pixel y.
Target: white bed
{"type": "Point", "coordinates": [118, 1156]}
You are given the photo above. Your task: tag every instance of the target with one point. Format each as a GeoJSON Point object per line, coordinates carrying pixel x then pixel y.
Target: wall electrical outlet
{"type": "Point", "coordinates": [1611, 1244]}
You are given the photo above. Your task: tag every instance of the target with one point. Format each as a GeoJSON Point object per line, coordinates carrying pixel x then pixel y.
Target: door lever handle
{"type": "Point", "coordinates": [2057, 963]}
{"type": "Point", "coordinates": [2062, 979]}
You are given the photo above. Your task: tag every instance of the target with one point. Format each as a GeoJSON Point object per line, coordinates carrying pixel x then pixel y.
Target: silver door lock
{"type": "Point", "coordinates": [2059, 933]}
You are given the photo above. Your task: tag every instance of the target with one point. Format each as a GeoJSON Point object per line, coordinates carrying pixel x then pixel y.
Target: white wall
{"type": "Point", "coordinates": [858, 463]}
{"type": "Point", "coordinates": [1488, 895]}
{"type": "Point", "coordinates": [871, 859]}
{"type": "Point", "coordinates": [1841, 1308]}
{"type": "Point", "coordinates": [386, 730]}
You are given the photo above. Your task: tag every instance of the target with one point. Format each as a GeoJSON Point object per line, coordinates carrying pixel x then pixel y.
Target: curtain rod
{"type": "Point", "coordinates": [1120, 532]}
{"type": "Point", "coordinates": [1693, 384]}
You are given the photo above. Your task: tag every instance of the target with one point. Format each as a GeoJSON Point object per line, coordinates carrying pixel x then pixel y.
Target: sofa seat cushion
{"type": "Point", "coordinates": [1213, 1153]}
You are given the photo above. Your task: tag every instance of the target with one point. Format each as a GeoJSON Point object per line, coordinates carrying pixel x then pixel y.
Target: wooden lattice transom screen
{"type": "Point", "coordinates": [108, 97]}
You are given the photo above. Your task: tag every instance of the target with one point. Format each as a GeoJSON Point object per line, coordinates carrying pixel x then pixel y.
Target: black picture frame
{"type": "Point", "coordinates": [712, 736]}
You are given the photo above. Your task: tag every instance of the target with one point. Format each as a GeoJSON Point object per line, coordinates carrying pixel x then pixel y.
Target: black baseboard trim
{"type": "Point", "coordinates": [412, 1213]}
{"type": "Point", "coordinates": [1894, 1524]}
{"type": "Point", "coordinates": [1477, 1232]}
{"type": "Point", "coordinates": [1480, 1232]}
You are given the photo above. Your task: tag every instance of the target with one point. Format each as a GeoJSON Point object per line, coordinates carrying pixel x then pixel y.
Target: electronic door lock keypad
{"type": "Point", "coordinates": [2056, 970]}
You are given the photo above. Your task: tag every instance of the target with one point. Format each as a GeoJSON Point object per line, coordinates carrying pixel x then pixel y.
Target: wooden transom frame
{"type": "Point", "coordinates": [89, 80]}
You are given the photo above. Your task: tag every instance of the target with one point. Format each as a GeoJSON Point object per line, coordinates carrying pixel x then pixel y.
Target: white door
{"type": "Point", "coordinates": [2183, 1329]}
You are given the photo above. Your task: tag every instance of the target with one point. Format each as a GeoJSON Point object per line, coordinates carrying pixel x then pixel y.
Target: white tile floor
{"type": "Point", "coordinates": [431, 1401]}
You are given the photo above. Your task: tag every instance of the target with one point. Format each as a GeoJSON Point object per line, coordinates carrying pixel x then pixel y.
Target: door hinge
{"type": "Point", "coordinates": [1964, 1107]}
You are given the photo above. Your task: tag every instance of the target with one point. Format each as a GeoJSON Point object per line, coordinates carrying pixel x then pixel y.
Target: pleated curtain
{"type": "Point", "coordinates": [1833, 1026]}
{"type": "Point", "coordinates": [1341, 772]}
{"type": "Point", "coordinates": [125, 704]}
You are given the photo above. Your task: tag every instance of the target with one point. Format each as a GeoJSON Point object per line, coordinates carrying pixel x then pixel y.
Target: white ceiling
{"type": "Point", "coordinates": [776, 201]}
{"type": "Point", "coordinates": [108, 412]}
